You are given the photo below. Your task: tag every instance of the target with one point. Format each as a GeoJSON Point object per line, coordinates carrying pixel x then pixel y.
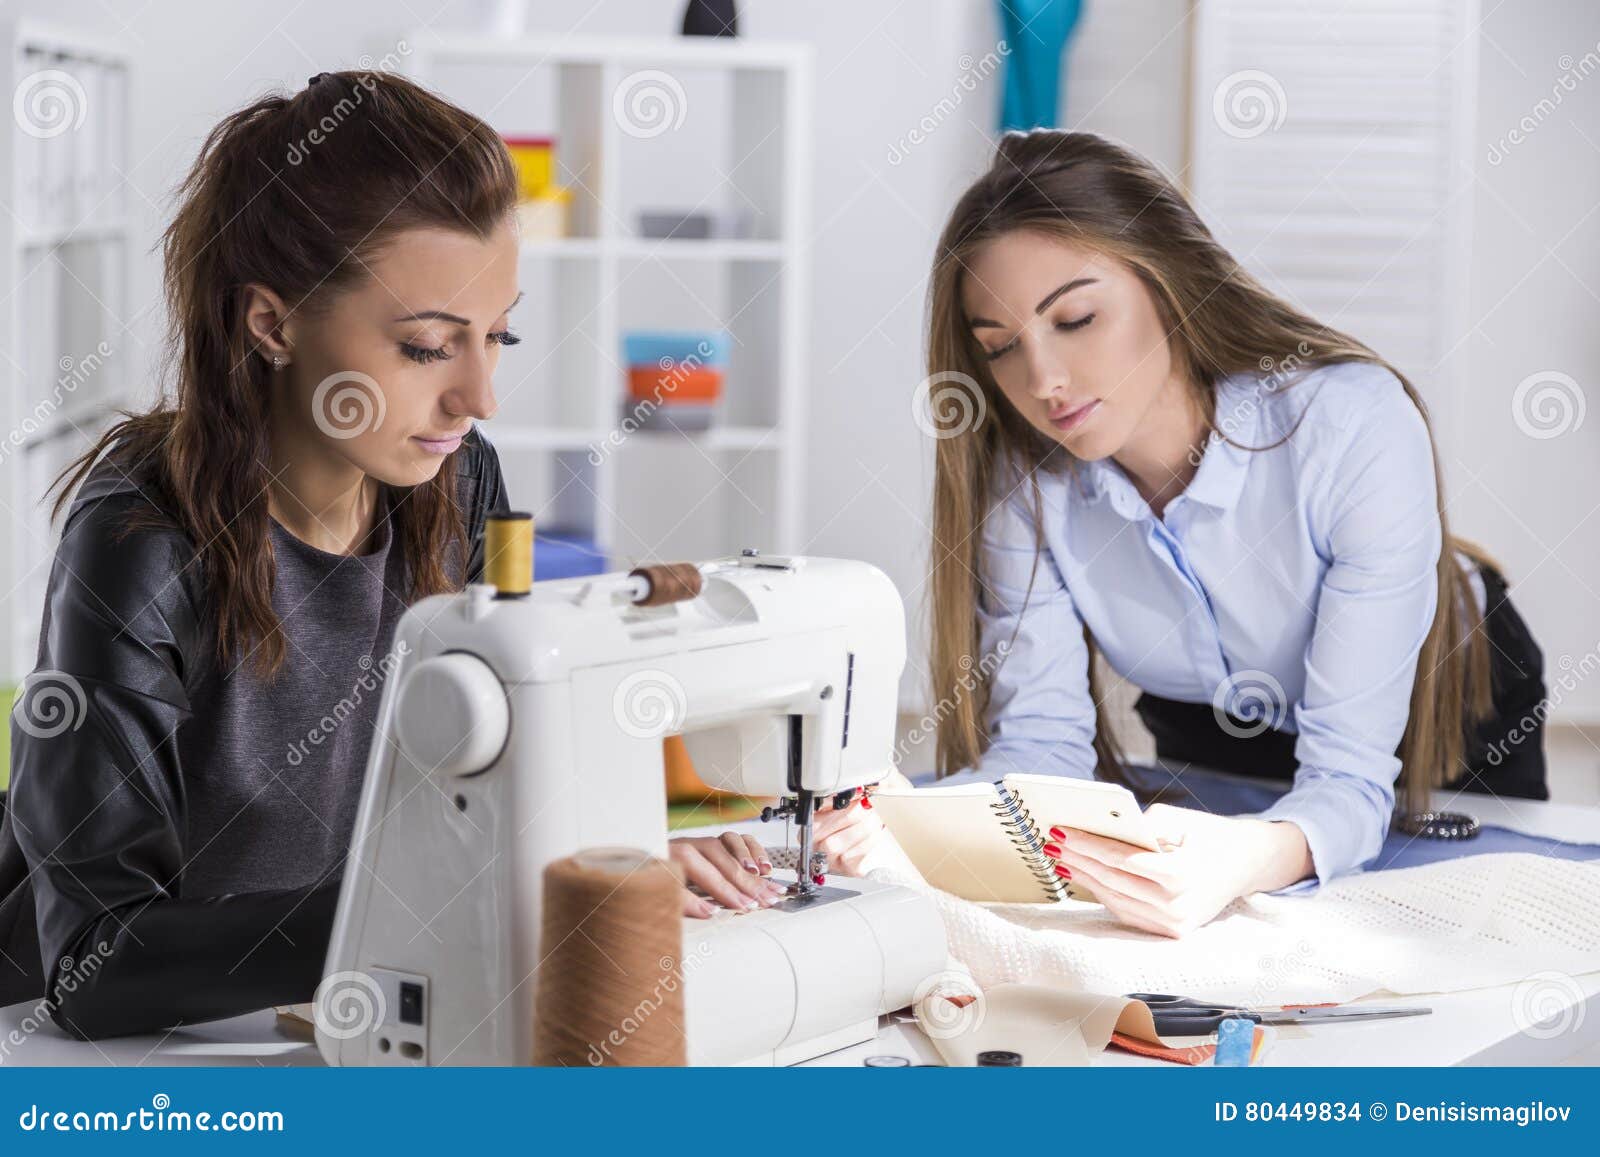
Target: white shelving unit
{"type": "Point", "coordinates": [731, 132]}
{"type": "Point", "coordinates": [65, 244]}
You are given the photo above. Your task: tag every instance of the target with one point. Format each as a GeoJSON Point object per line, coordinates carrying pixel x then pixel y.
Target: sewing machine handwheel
{"type": "Point", "coordinates": [452, 716]}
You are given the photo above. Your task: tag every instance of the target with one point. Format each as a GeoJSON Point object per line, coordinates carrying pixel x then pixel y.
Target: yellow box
{"type": "Point", "coordinates": [535, 158]}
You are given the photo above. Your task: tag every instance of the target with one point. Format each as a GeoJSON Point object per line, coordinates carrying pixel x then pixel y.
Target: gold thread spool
{"type": "Point", "coordinates": [670, 582]}
{"type": "Point", "coordinates": [610, 985]}
{"type": "Point", "coordinates": [508, 553]}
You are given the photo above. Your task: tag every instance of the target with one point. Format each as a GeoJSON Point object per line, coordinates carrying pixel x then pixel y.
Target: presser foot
{"type": "Point", "coordinates": [812, 897]}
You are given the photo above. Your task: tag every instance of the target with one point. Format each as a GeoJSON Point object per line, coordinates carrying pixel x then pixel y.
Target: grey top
{"type": "Point", "coordinates": [184, 824]}
{"type": "Point", "coordinates": [269, 771]}
{"type": "Point", "coordinates": [274, 770]}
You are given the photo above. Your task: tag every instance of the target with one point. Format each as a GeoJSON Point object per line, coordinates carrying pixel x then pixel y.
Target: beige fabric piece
{"type": "Point", "coordinates": [1047, 1026]}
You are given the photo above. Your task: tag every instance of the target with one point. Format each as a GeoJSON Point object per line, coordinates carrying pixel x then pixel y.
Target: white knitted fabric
{"type": "Point", "coordinates": [1464, 923]}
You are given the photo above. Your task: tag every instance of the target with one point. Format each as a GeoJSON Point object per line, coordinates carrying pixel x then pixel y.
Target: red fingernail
{"type": "Point", "coordinates": [1063, 871]}
{"type": "Point", "coordinates": [866, 803]}
{"type": "Point", "coordinates": [1058, 833]}
{"type": "Point", "coordinates": [819, 879]}
{"type": "Point", "coordinates": [1052, 850]}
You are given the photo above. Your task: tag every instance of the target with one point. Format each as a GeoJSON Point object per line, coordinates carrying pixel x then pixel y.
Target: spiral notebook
{"type": "Point", "coordinates": [985, 841]}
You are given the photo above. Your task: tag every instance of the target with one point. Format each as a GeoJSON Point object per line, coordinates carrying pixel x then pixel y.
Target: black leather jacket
{"type": "Point", "coordinates": [92, 842]}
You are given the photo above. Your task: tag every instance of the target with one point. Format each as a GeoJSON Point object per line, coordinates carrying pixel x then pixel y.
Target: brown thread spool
{"type": "Point", "coordinates": [508, 553]}
{"type": "Point", "coordinates": [610, 987]}
{"type": "Point", "coordinates": [670, 582]}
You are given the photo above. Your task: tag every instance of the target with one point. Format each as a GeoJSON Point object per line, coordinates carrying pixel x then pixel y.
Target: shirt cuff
{"type": "Point", "coordinates": [1325, 812]}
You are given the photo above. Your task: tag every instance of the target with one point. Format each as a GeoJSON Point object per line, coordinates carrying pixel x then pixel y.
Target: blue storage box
{"type": "Point", "coordinates": [706, 347]}
{"type": "Point", "coordinates": [565, 554]}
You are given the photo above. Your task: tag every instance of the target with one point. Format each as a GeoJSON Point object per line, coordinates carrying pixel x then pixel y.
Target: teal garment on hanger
{"type": "Point", "coordinates": [1036, 33]}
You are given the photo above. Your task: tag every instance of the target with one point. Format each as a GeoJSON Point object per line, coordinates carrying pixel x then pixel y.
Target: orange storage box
{"type": "Point", "coordinates": [680, 384]}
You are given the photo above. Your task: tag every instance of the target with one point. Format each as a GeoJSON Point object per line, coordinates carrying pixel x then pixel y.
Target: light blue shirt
{"type": "Point", "coordinates": [1292, 585]}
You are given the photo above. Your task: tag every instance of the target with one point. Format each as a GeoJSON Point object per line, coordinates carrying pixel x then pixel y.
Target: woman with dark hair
{"type": "Point", "coordinates": [1157, 459]}
{"type": "Point", "coordinates": [233, 564]}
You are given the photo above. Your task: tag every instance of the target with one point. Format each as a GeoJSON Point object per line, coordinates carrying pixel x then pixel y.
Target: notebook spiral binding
{"type": "Point", "coordinates": [1024, 835]}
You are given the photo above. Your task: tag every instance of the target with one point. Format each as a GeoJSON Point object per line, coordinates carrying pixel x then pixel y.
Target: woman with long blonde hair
{"type": "Point", "coordinates": [1157, 460]}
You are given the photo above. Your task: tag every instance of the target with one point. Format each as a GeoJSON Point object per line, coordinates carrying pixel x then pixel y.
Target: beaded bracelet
{"type": "Point", "coordinates": [1438, 825]}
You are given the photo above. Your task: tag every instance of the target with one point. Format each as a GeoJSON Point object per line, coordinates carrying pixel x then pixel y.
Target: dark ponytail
{"type": "Point", "coordinates": [299, 194]}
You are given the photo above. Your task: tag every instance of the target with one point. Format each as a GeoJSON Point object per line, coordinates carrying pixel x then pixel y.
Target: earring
{"type": "Point", "coordinates": [278, 361]}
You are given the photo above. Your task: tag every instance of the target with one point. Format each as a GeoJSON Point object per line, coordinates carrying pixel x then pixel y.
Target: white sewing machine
{"type": "Point", "coordinates": [516, 730]}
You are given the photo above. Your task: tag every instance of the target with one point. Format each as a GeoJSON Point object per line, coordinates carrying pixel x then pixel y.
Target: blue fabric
{"type": "Point", "coordinates": [1036, 34]}
{"type": "Point", "coordinates": [1290, 585]}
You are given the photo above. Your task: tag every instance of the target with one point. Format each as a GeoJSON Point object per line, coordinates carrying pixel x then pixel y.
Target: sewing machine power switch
{"type": "Point", "coordinates": [410, 1002]}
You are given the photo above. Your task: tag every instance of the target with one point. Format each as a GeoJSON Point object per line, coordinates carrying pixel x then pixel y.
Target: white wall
{"type": "Point", "coordinates": [884, 65]}
{"type": "Point", "coordinates": [881, 67]}
{"type": "Point", "coordinates": [1535, 298]}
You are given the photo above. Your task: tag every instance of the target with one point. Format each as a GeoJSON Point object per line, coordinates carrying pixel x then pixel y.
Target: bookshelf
{"type": "Point", "coordinates": [65, 242]}
{"type": "Point", "coordinates": [677, 124]}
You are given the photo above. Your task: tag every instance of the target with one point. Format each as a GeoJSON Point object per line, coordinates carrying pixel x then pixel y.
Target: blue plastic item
{"type": "Point", "coordinates": [1236, 1038]}
{"type": "Point", "coordinates": [708, 347]}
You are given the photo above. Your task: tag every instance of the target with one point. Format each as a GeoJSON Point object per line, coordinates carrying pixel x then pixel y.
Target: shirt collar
{"type": "Point", "coordinates": [1221, 473]}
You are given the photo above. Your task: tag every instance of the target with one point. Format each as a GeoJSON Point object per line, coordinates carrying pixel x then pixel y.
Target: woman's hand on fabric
{"type": "Point", "coordinates": [853, 837]}
{"type": "Point", "coordinates": [1205, 863]}
{"type": "Point", "coordinates": [732, 869]}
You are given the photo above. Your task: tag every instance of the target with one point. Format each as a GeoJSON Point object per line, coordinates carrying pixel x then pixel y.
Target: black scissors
{"type": "Point", "coordinates": [1181, 1016]}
